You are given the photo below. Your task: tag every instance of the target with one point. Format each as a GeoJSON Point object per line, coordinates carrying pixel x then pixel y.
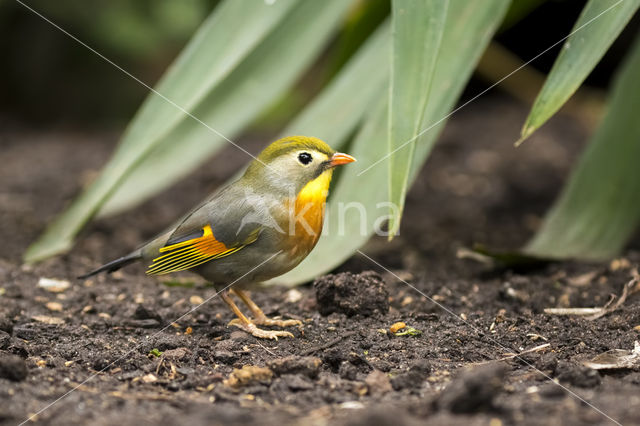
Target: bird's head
{"type": "Point", "coordinates": [290, 163]}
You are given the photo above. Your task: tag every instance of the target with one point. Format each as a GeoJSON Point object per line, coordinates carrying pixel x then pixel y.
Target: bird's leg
{"type": "Point", "coordinates": [247, 325]}
{"type": "Point", "coordinates": [258, 316]}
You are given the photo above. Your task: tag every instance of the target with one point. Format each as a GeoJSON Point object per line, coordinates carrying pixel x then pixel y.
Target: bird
{"type": "Point", "coordinates": [257, 228]}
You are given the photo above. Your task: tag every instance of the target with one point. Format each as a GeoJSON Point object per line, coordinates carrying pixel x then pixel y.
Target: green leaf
{"type": "Point", "coordinates": [357, 205]}
{"type": "Point", "coordinates": [339, 109]}
{"type": "Point", "coordinates": [253, 86]}
{"type": "Point", "coordinates": [155, 352]}
{"type": "Point", "coordinates": [336, 112]}
{"type": "Point", "coordinates": [162, 143]}
{"type": "Point", "coordinates": [600, 22]}
{"type": "Point", "coordinates": [599, 208]}
{"type": "Point", "coordinates": [408, 331]}
{"type": "Point", "coordinates": [211, 55]}
{"type": "Point", "coordinates": [416, 32]}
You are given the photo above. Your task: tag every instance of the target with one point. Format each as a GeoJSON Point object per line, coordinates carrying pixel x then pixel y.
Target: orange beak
{"type": "Point", "coordinates": [338, 159]}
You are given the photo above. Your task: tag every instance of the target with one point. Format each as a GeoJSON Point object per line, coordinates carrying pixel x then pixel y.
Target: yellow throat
{"type": "Point", "coordinates": [317, 190]}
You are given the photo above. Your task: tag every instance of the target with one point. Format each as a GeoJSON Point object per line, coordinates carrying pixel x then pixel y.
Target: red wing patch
{"type": "Point", "coordinates": [191, 253]}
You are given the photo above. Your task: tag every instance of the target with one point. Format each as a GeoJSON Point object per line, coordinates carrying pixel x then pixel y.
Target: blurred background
{"type": "Point", "coordinates": [48, 79]}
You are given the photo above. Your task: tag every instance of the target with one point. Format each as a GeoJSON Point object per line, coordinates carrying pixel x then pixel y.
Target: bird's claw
{"type": "Point", "coordinates": [277, 322]}
{"type": "Point", "coordinates": [252, 329]}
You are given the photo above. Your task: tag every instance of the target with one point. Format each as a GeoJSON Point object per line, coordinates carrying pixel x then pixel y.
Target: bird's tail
{"type": "Point", "coordinates": [114, 265]}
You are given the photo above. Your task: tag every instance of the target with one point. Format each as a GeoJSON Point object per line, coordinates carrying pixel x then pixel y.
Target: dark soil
{"type": "Point", "coordinates": [119, 349]}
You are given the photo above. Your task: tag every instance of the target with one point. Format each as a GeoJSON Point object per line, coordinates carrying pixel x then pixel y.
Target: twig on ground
{"type": "Point", "coordinates": [512, 356]}
{"type": "Point", "coordinates": [266, 349]}
{"type": "Point", "coordinates": [629, 288]}
{"type": "Point", "coordinates": [528, 351]}
{"type": "Point", "coordinates": [465, 253]}
{"type": "Point", "coordinates": [572, 311]}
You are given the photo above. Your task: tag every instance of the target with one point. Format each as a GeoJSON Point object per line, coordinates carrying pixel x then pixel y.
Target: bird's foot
{"type": "Point", "coordinates": [252, 329]}
{"type": "Point", "coordinates": [276, 322]}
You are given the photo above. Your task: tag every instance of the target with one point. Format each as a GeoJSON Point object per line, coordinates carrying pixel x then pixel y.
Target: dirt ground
{"type": "Point", "coordinates": [119, 349]}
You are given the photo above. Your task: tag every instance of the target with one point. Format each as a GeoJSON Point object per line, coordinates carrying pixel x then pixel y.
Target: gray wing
{"type": "Point", "coordinates": [233, 214]}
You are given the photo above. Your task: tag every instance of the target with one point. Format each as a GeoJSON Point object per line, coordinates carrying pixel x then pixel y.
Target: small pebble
{"type": "Point", "coordinates": [196, 300]}
{"type": "Point", "coordinates": [53, 285]}
{"type": "Point", "coordinates": [54, 306]}
{"type": "Point", "coordinates": [293, 296]}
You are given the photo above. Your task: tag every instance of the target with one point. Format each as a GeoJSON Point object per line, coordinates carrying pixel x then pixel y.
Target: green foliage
{"type": "Point", "coordinates": [336, 113]}
{"type": "Point", "coordinates": [155, 352]}
{"type": "Point", "coordinates": [600, 22]}
{"type": "Point", "coordinates": [408, 331]}
{"type": "Point", "coordinates": [133, 29]}
{"type": "Point", "coordinates": [600, 207]}
{"type": "Point", "coordinates": [416, 33]}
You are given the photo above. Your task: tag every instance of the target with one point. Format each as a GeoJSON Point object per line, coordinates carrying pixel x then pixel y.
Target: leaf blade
{"type": "Point", "coordinates": [340, 107]}
{"type": "Point", "coordinates": [193, 73]}
{"type": "Point", "coordinates": [599, 24]}
{"type": "Point", "coordinates": [599, 207]}
{"type": "Point", "coordinates": [416, 32]}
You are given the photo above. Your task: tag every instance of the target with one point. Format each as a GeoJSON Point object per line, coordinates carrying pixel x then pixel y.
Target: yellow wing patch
{"type": "Point", "coordinates": [191, 253]}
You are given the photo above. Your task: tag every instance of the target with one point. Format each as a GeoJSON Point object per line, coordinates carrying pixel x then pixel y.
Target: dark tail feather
{"type": "Point", "coordinates": [114, 265]}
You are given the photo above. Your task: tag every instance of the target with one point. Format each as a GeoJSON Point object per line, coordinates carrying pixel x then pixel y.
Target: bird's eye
{"type": "Point", "coordinates": [305, 158]}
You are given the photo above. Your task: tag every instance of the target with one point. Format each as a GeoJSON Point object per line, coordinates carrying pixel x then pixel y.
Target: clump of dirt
{"type": "Point", "coordinates": [414, 377]}
{"type": "Point", "coordinates": [249, 375]}
{"type": "Point", "coordinates": [474, 390]}
{"type": "Point", "coordinates": [12, 368]}
{"type": "Point", "coordinates": [352, 294]}
{"type": "Point", "coordinates": [306, 365]}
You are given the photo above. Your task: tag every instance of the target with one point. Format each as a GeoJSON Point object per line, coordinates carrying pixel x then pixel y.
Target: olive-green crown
{"type": "Point", "coordinates": [294, 143]}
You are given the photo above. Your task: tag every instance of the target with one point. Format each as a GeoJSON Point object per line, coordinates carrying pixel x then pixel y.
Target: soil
{"type": "Point", "coordinates": [125, 349]}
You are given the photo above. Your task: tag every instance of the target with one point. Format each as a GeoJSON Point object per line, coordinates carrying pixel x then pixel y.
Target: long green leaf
{"type": "Point", "coordinates": [341, 106]}
{"type": "Point", "coordinates": [600, 22]}
{"type": "Point", "coordinates": [599, 209]}
{"type": "Point", "coordinates": [416, 32]}
{"type": "Point", "coordinates": [255, 84]}
{"type": "Point", "coordinates": [468, 29]}
{"type": "Point", "coordinates": [339, 109]}
{"type": "Point", "coordinates": [212, 53]}
{"type": "Point", "coordinates": [227, 41]}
